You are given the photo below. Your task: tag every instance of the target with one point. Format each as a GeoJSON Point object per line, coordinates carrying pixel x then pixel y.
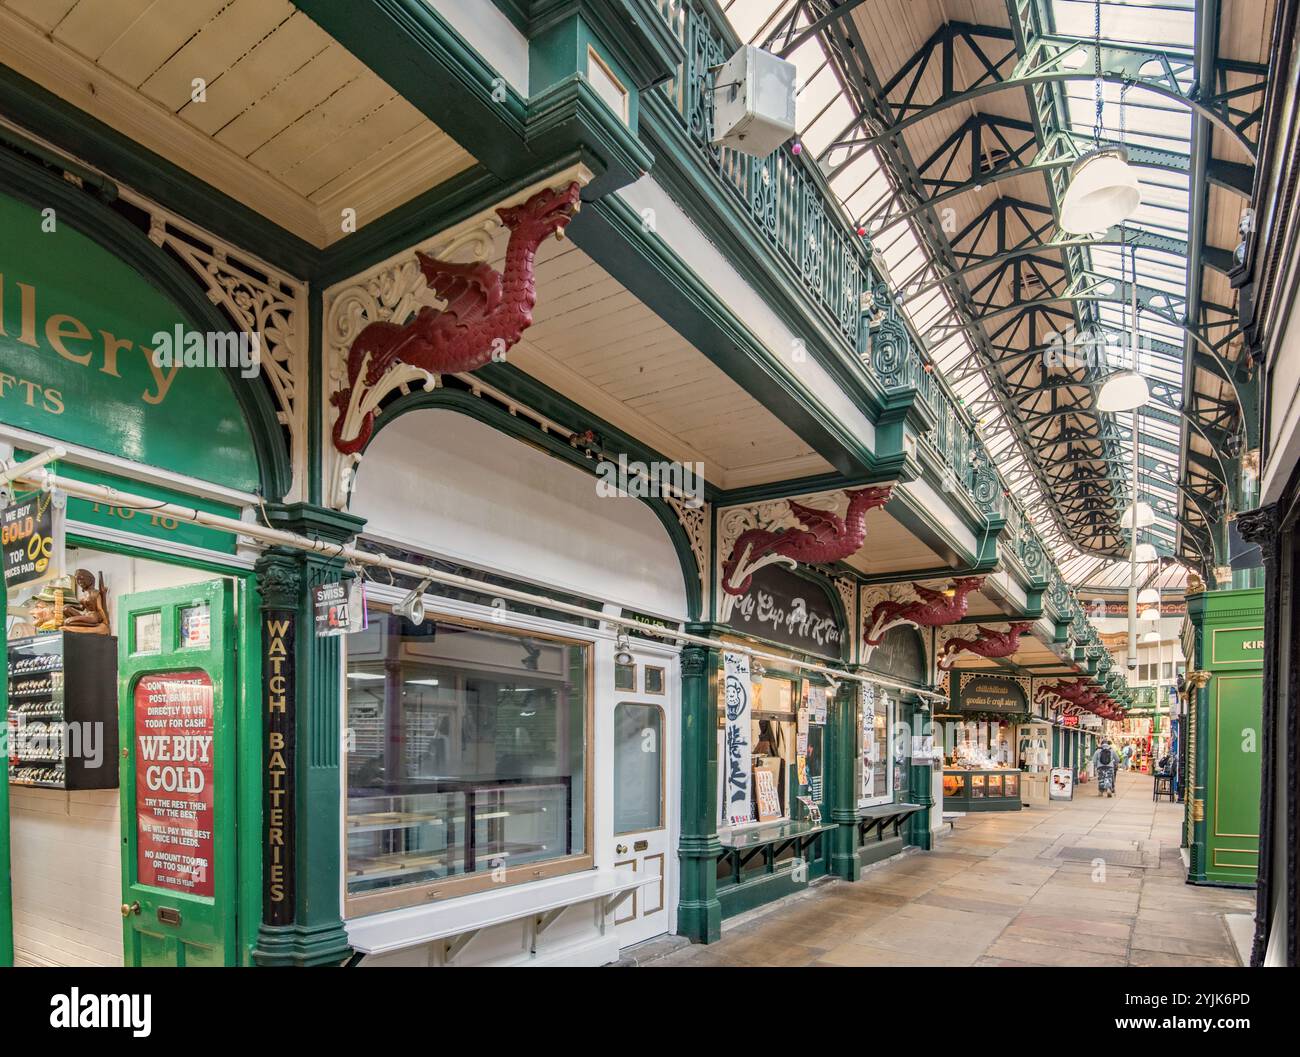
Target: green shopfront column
{"type": "Point", "coordinates": [1224, 735]}
{"type": "Point", "coordinates": [699, 914]}
{"type": "Point", "coordinates": [842, 801]}
{"type": "Point", "coordinates": [302, 922]}
{"type": "Point", "coordinates": [921, 780]}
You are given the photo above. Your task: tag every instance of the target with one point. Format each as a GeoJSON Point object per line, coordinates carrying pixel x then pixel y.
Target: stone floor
{"type": "Point", "coordinates": [996, 891]}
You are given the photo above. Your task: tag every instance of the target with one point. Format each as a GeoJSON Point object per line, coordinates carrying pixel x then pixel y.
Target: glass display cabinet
{"type": "Point", "coordinates": [981, 790]}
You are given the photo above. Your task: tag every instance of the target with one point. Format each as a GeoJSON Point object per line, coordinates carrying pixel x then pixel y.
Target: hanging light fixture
{"type": "Point", "coordinates": [1151, 636]}
{"type": "Point", "coordinates": [1145, 516]}
{"type": "Point", "coordinates": [1146, 552]}
{"type": "Point", "coordinates": [1103, 189]}
{"type": "Point", "coordinates": [1123, 391]}
{"type": "Point", "coordinates": [1150, 613]}
{"type": "Point", "coordinates": [1149, 597]}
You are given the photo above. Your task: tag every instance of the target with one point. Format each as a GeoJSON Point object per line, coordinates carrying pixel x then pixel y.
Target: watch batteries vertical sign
{"type": "Point", "coordinates": [173, 782]}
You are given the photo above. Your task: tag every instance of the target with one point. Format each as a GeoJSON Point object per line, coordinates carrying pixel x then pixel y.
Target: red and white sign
{"type": "Point", "coordinates": [174, 816]}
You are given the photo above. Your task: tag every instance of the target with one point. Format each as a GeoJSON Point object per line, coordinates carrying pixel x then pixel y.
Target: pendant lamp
{"type": "Point", "coordinates": [1103, 191]}
{"type": "Point", "coordinates": [1146, 552]}
{"type": "Point", "coordinates": [1145, 516]}
{"type": "Point", "coordinates": [1123, 391]}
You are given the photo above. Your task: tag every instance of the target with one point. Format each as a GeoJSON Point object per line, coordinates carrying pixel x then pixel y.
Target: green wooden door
{"type": "Point", "coordinates": [178, 696]}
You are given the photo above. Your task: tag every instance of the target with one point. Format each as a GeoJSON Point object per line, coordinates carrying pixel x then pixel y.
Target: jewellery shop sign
{"type": "Point", "coordinates": [788, 609]}
{"type": "Point", "coordinates": [32, 538]}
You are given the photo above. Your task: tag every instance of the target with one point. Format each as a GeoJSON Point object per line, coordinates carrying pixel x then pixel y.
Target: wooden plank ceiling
{"type": "Point", "coordinates": [250, 96]}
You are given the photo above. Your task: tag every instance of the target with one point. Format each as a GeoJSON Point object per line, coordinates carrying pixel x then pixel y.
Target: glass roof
{"type": "Point", "coordinates": [1130, 115]}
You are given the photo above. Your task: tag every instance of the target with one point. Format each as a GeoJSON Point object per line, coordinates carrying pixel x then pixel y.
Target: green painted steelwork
{"type": "Point", "coordinates": [699, 913]}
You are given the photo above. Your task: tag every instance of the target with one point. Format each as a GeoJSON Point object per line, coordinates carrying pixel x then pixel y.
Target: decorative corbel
{"type": "Point", "coordinates": [987, 642]}
{"type": "Point", "coordinates": [928, 608]}
{"type": "Point", "coordinates": [786, 532]}
{"type": "Point", "coordinates": [438, 308]}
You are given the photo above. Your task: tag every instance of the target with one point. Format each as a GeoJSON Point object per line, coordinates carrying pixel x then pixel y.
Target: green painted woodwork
{"type": "Point", "coordinates": [920, 779]}
{"type": "Point", "coordinates": [76, 341]}
{"type": "Point", "coordinates": [206, 933]}
{"type": "Point", "coordinates": [6, 887]}
{"type": "Point", "coordinates": [285, 582]}
{"type": "Point", "coordinates": [1224, 762]}
{"type": "Point", "coordinates": [841, 806]}
{"type": "Point", "coordinates": [699, 913]}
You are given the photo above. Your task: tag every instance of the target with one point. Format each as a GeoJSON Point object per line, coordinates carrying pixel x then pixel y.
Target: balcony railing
{"type": "Point", "coordinates": [788, 204]}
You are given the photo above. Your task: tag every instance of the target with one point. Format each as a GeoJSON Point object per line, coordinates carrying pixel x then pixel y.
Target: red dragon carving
{"type": "Point", "coordinates": [1068, 692]}
{"type": "Point", "coordinates": [932, 609]}
{"type": "Point", "coordinates": [486, 312]}
{"type": "Point", "coordinates": [825, 537]}
{"type": "Point", "coordinates": [987, 643]}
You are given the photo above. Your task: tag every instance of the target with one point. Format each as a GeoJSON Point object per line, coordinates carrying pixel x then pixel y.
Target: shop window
{"type": "Point", "coordinates": [638, 768]}
{"type": "Point", "coordinates": [875, 777]}
{"type": "Point", "coordinates": [467, 759]}
{"type": "Point", "coordinates": [625, 677]}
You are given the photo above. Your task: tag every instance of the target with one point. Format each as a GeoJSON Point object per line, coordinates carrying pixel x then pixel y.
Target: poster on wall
{"type": "Point", "coordinates": [816, 698]}
{"type": "Point", "coordinates": [174, 817]}
{"type": "Point", "coordinates": [737, 801]}
{"type": "Point", "coordinates": [765, 794]}
{"type": "Point", "coordinates": [1062, 784]}
{"type": "Point", "coordinates": [31, 539]}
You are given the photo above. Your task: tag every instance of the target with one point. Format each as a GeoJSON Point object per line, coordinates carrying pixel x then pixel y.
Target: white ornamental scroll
{"type": "Point", "coordinates": [737, 800]}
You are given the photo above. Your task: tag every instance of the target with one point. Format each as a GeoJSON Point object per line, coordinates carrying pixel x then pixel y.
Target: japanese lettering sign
{"type": "Point", "coordinates": [737, 800]}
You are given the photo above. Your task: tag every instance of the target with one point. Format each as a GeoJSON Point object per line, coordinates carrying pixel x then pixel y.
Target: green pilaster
{"type": "Point", "coordinates": [841, 799]}
{"type": "Point", "coordinates": [921, 780]}
{"type": "Point", "coordinates": [6, 894]}
{"type": "Point", "coordinates": [316, 935]}
{"type": "Point", "coordinates": [699, 914]}
{"type": "Point", "coordinates": [1225, 735]}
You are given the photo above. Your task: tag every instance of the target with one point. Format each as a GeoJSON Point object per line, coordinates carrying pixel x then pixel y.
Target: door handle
{"type": "Point", "coordinates": [133, 908]}
{"type": "Point", "coordinates": [621, 849]}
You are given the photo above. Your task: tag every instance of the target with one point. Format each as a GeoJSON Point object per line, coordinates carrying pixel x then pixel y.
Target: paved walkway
{"type": "Point", "coordinates": [997, 891]}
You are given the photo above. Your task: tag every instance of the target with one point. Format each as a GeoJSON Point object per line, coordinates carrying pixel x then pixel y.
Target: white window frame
{"type": "Point", "coordinates": [891, 722]}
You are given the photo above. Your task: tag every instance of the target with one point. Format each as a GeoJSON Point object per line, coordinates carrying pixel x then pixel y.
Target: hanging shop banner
{"type": "Point", "coordinates": [788, 609]}
{"type": "Point", "coordinates": [279, 683]}
{"type": "Point", "coordinates": [868, 739]}
{"type": "Point", "coordinates": [979, 692]}
{"type": "Point", "coordinates": [173, 782]}
{"type": "Point", "coordinates": [1062, 784]}
{"type": "Point", "coordinates": [339, 607]}
{"type": "Point", "coordinates": [801, 746]}
{"type": "Point", "coordinates": [737, 801]}
{"type": "Point", "coordinates": [32, 539]}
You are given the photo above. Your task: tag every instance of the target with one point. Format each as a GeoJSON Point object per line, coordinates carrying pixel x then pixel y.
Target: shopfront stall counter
{"type": "Point", "coordinates": [880, 830]}
{"type": "Point", "coordinates": [759, 863]}
{"type": "Point", "coordinates": [443, 933]}
{"type": "Point", "coordinates": [980, 790]}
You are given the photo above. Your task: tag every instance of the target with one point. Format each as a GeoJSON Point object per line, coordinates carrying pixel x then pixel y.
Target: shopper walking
{"type": "Point", "coordinates": [1128, 756]}
{"type": "Point", "coordinates": [1104, 762]}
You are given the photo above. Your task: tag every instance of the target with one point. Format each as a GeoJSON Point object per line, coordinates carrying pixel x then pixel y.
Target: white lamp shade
{"type": "Point", "coordinates": [1151, 636]}
{"type": "Point", "coordinates": [1123, 391]}
{"type": "Point", "coordinates": [1146, 552]}
{"type": "Point", "coordinates": [1103, 192]}
{"type": "Point", "coordinates": [1145, 516]}
{"type": "Point", "coordinates": [1149, 614]}
{"type": "Point", "coordinates": [1149, 597]}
